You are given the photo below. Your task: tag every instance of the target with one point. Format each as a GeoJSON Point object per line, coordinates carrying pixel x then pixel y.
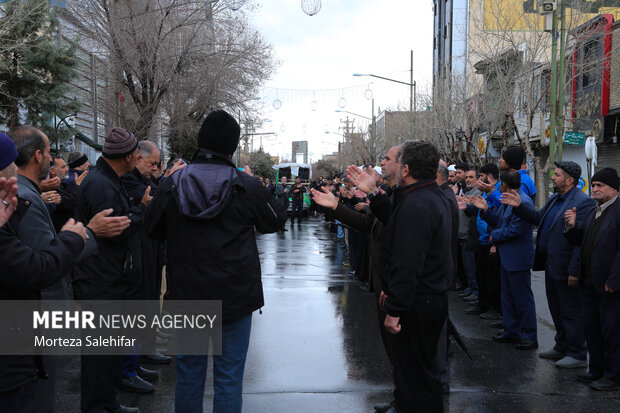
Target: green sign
{"type": "Point", "coordinates": [574, 138]}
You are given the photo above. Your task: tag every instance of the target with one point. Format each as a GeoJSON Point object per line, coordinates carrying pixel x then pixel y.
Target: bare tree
{"type": "Point", "coordinates": [175, 59]}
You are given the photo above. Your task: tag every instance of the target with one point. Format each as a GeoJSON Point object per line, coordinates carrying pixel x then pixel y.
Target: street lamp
{"type": "Point", "coordinates": [411, 84]}
{"type": "Point", "coordinates": [354, 114]}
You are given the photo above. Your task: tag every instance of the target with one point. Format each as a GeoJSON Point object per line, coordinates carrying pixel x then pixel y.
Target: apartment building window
{"type": "Point", "coordinates": [589, 63]}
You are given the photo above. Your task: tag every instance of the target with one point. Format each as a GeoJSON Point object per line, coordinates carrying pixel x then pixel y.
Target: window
{"type": "Point", "coordinates": [589, 62]}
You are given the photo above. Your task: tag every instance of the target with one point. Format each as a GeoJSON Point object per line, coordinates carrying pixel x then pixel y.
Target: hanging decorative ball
{"type": "Point", "coordinates": [277, 104]}
{"type": "Point", "coordinates": [311, 7]}
{"type": "Point", "coordinates": [368, 94]}
{"type": "Point", "coordinates": [342, 102]}
{"type": "Point", "coordinates": [282, 128]}
{"type": "Point", "coordinates": [236, 4]}
{"type": "Point", "coordinates": [314, 105]}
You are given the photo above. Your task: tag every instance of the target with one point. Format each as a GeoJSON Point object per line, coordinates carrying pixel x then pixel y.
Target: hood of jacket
{"type": "Point", "coordinates": [205, 187]}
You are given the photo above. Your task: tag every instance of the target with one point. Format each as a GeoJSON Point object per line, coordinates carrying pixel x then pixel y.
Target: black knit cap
{"type": "Point", "coordinates": [220, 133]}
{"type": "Point", "coordinates": [608, 176]}
{"type": "Point", "coordinates": [514, 157]}
{"type": "Point", "coordinates": [76, 159]}
{"type": "Point", "coordinates": [119, 143]}
{"type": "Point", "coordinates": [571, 168]}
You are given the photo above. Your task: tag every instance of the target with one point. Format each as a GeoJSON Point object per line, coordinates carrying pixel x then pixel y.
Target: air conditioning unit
{"type": "Point", "coordinates": [547, 6]}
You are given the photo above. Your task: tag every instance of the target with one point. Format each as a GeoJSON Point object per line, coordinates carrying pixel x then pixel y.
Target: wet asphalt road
{"type": "Point", "coordinates": [316, 348]}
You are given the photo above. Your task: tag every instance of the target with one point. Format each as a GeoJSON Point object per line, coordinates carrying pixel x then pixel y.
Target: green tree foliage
{"type": "Point", "coordinates": [261, 164]}
{"type": "Point", "coordinates": [36, 67]}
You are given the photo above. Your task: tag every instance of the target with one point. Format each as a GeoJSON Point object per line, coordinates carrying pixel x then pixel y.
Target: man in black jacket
{"type": "Point", "coordinates": [417, 258]}
{"type": "Point", "coordinates": [208, 213]}
{"type": "Point", "coordinates": [115, 272]}
{"type": "Point", "coordinates": [599, 238]}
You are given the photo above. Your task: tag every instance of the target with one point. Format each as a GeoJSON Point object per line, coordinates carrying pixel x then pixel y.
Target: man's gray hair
{"type": "Point", "coordinates": [443, 171]}
{"type": "Point", "coordinates": [28, 141]}
{"type": "Point", "coordinates": [146, 148]}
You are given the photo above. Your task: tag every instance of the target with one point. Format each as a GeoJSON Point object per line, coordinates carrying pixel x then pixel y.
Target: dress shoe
{"type": "Point", "coordinates": [148, 375]}
{"type": "Point", "coordinates": [155, 359]}
{"type": "Point", "coordinates": [474, 303]}
{"type": "Point", "coordinates": [383, 407]}
{"type": "Point", "coordinates": [571, 363]}
{"type": "Point", "coordinates": [125, 409]}
{"type": "Point", "coordinates": [587, 377]}
{"type": "Point", "coordinates": [604, 384]}
{"type": "Point", "coordinates": [464, 293]}
{"type": "Point", "coordinates": [491, 315]}
{"type": "Point", "coordinates": [552, 354]}
{"type": "Point", "coordinates": [474, 310]}
{"type": "Point", "coordinates": [527, 345]}
{"type": "Point", "coordinates": [471, 297]}
{"type": "Point", "coordinates": [136, 385]}
{"type": "Point", "coordinates": [163, 334]}
{"type": "Point", "coordinates": [496, 324]}
{"type": "Point", "coordinates": [501, 338]}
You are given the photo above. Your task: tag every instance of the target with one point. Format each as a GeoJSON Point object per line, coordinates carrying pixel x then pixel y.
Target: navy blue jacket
{"type": "Point", "coordinates": [605, 259]}
{"type": "Point", "coordinates": [513, 236]}
{"type": "Point", "coordinates": [562, 257]}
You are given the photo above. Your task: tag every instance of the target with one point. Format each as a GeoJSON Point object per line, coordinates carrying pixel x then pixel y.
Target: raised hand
{"type": "Point", "coordinates": [75, 227]}
{"type": "Point", "coordinates": [462, 203]}
{"type": "Point", "coordinates": [511, 198]}
{"type": "Point", "coordinates": [8, 198]}
{"type": "Point", "coordinates": [479, 202]}
{"type": "Point", "coordinates": [80, 179]}
{"type": "Point", "coordinates": [570, 216]}
{"type": "Point", "coordinates": [147, 198]}
{"type": "Point", "coordinates": [178, 165]}
{"type": "Point", "coordinates": [49, 184]}
{"type": "Point", "coordinates": [484, 186]}
{"type": "Point", "coordinates": [105, 226]}
{"type": "Point", "coordinates": [363, 181]}
{"type": "Point", "coordinates": [324, 198]}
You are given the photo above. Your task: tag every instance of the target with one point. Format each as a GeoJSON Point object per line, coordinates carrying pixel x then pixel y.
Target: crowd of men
{"type": "Point", "coordinates": [493, 251]}
{"type": "Point", "coordinates": [414, 228]}
{"type": "Point", "coordinates": [71, 230]}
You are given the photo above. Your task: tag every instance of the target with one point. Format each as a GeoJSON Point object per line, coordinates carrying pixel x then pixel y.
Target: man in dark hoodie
{"type": "Point", "coordinates": [208, 213]}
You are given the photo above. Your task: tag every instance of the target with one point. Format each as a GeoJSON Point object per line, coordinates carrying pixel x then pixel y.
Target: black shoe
{"type": "Point", "coordinates": [474, 311]}
{"type": "Point", "coordinates": [136, 385]}
{"type": "Point", "coordinates": [383, 407]}
{"type": "Point", "coordinates": [470, 297]}
{"type": "Point", "coordinates": [587, 377]}
{"type": "Point", "coordinates": [125, 409]}
{"type": "Point", "coordinates": [604, 384]}
{"type": "Point", "coordinates": [163, 334]}
{"type": "Point", "coordinates": [527, 345]}
{"type": "Point", "coordinates": [496, 324]}
{"type": "Point", "coordinates": [148, 375]}
{"type": "Point", "coordinates": [155, 359]}
{"type": "Point", "coordinates": [501, 338]}
{"type": "Point", "coordinates": [464, 293]}
{"type": "Point", "coordinates": [474, 303]}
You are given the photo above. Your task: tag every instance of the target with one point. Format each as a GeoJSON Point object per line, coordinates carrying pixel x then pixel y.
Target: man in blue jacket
{"type": "Point", "coordinates": [560, 261]}
{"type": "Point", "coordinates": [513, 238]}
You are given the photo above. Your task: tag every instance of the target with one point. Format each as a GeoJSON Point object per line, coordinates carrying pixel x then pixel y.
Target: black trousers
{"type": "Point", "coordinates": [416, 371]}
{"type": "Point", "coordinates": [101, 379]}
{"type": "Point", "coordinates": [601, 316]}
{"type": "Point", "coordinates": [488, 279]}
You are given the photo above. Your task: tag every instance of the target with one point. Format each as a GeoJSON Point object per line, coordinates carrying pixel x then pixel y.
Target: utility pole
{"type": "Point", "coordinates": [554, 74]}
{"type": "Point", "coordinates": [561, 121]}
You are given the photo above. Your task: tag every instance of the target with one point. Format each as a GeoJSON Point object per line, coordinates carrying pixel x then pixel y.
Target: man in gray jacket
{"type": "Point", "coordinates": [36, 230]}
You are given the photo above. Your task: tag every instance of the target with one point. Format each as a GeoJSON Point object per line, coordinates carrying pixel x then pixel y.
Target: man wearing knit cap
{"type": "Point", "coordinates": [560, 260]}
{"type": "Point", "coordinates": [114, 273]}
{"type": "Point", "coordinates": [78, 169]}
{"type": "Point", "coordinates": [599, 238]}
{"type": "Point", "coordinates": [208, 212]}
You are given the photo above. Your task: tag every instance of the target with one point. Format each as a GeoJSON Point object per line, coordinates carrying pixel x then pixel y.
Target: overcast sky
{"type": "Point", "coordinates": [317, 56]}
